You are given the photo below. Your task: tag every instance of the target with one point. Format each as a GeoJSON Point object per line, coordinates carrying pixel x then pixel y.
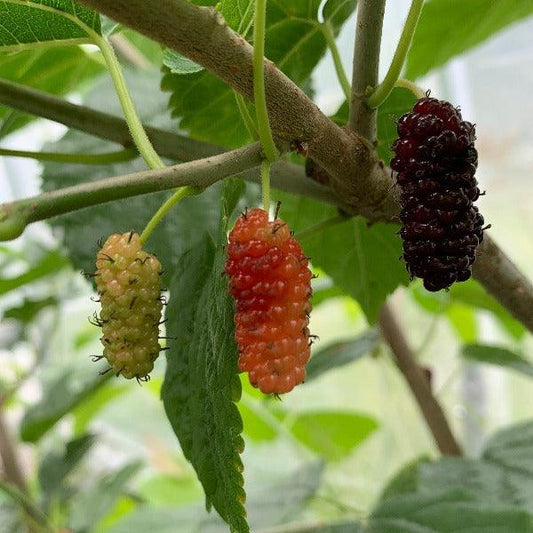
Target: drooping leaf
{"type": "Point", "coordinates": [333, 434]}
{"type": "Point", "coordinates": [499, 356]}
{"type": "Point", "coordinates": [363, 261]}
{"type": "Point", "coordinates": [206, 105]}
{"type": "Point", "coordinates": [34, 22]}
{"type": "Point", "coordinates": [53, 70]}
{"type": "Point", "coordinates": [60, 396]}
{"type": "Point", "coordinates": [55, 467]}
{"type": "Point", "coordinates": [91, 505]}
{"type": "Point", "coordinates": [341, 353]}
{"type": "Point", "coordinates": [450, 27]}
{"type": "Point", "coordinates": [201, 382]}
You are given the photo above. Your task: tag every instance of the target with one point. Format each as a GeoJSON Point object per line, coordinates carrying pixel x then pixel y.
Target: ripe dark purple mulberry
{"type": "Point", "coordinates": [436, 161]}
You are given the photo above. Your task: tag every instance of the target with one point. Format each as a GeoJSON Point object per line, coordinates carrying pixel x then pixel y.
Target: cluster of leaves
{"type": "Point", "coordinates": [201, 383]}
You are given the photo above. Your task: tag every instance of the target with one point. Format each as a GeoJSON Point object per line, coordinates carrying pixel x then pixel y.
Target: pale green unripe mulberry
{"type": "Point", "coordinates": [127, 280]}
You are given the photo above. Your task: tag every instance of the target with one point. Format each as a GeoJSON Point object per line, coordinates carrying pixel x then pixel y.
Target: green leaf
{"type": "Point", "coordinates": [362, 261]}
{"type": "Point", "coordinates": [446, 512]}
{"type": "Point", "coordinates": [55, 467]}
{"type": "Point", "coordinates": [31, 22]}
{"type": "Point", "coordinates": [239, 14]}
{"type": "Point", "coordinates": [201, 382]}
{"type": "Point", "coordinates": [178, 64]}
{"type": "Point", "coordinates": [463, 319]}
{"type": "Point", "coordinates": [333, 434]}
{"type": "Point", "coordinates": [166, 489]}
{"type": "Point", "coordinates": [512, 449]}
{"type": "Point", "coordinates": [470, 293]}
{"type": "Point", "coordinates": [93, 404]}
{"type": "Point", "coordinates": [499, 356]}
{"type": "Point", "coordinates": [499, 483]}
{"type": "Point", "coordinates": [450, 27]}
{"type": "Point", "coordinates": [341, 353]}
{"type": "Point", "coordinates": [60, 396]}
{"type": "Point", "coordinates": [91, 505]}
{"type": "Point", "coordinates": [29, 309]}
{"type": "Point", "coordinates": [56, 71]}
{"type": "Point", "coordinates": [294, 41]}
{"type": "Point", "coordinates": [255, 425]}
{"type": "Point", "coordinates": [51, 263]}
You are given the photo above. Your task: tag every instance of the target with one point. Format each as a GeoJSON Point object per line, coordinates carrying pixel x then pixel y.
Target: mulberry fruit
{"type": "Point", "coordinates": [436, 161]}
{"type": "Point", "coordinates": [271, 283]}
{"type": "Point", "coordinates": [127, 280]}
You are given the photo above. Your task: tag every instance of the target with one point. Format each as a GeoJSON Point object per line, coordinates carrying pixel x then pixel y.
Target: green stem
{"type": "Point", "coordinates": [246, 117]}
{"type": "Point", "coordinates": [321, 226]}
{"type": "Point", "coordinates": [15, 216]}
{"type": "Point", "coordinates": [81, 159]}
{"type": "Point", "coordinates": [132, 118]}
{"type": "Point", "coordinates": [181, 193]}
{"type": "Point", "coordinates": [31, 510]}
{"type": "Point", "coordinates": [382, 91]}
{"type": "Point", "coordinates": [332, 44]}
{"type": "Point", "coordinates": [263, 125]}
{"type": "Point", "coordinates": [265, 184]}
{"type": "Point", "coordinates": [409, 85]}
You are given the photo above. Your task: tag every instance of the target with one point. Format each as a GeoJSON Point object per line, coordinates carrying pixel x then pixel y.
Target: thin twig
{"type": "Point", "coordinates": [365, 66]}
{"type": "Point", "coordinates": [427, 403]}
{"type": "Point", "coordinates": [10, 460]}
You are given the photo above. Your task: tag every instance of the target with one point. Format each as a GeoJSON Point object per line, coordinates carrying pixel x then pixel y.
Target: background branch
{"type": "Point", "coordinates": [427, 403]}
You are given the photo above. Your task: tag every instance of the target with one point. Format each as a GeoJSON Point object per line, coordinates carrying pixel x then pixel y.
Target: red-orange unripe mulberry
{"type": "Point", "coordinates": [271, 283]}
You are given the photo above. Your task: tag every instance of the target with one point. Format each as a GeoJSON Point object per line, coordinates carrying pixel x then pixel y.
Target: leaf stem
{"type": "Point", "coordinates": [265, 184]}
{"type": "Point", "coordinates": [326, 30]}
{"type": "Point", "coordinates": [246, 117]}
{"type": "Point", "coordinates": [73, 158]}
{"type": "Point", "coordinates": [382, 91]}
{"type": "Point", "coordinates": [263, 124]}
{"type": "Point", "coordinates": [181, 193]}
{"type": "Point", "coordinates": [132, 118]}
{"type": "Point", "coordinates": [409, 85]}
